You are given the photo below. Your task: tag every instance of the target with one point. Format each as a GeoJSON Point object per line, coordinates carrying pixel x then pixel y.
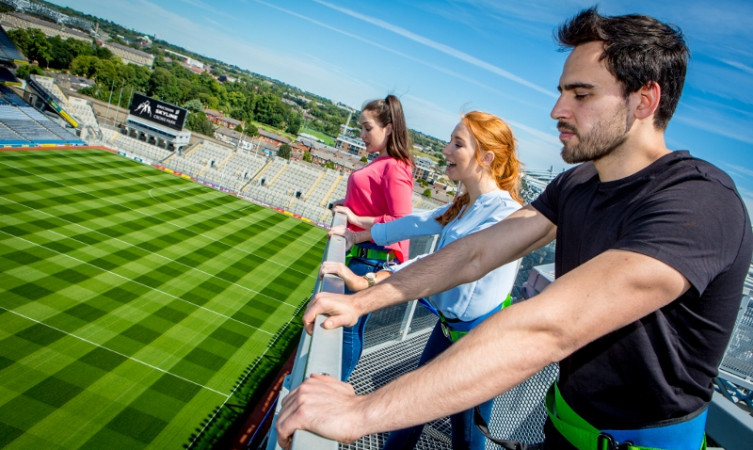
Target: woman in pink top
{"type": "Point", "coordinates": [380, 192]}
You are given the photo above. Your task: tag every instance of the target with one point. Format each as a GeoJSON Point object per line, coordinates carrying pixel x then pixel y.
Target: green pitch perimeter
{"type": "Point", "coordinates": [131, 300]}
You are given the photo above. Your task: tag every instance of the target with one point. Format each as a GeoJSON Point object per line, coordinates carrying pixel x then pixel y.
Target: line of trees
{"type": "Point", "coordinates": [248, 99]}
{"type": "Point", "coordinates": [251, 98]}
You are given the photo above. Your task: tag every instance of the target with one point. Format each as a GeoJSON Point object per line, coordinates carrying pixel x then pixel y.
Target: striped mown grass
{"type": "Point", "coordinates": [132, 300]}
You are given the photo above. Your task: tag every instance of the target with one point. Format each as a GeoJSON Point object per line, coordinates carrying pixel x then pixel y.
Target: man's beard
{"type": "Point", "coordinates": [606, 135]}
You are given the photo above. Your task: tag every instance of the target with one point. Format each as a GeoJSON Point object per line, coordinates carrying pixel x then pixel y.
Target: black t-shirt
{"type": "Point", "coordinates": [686, 213]}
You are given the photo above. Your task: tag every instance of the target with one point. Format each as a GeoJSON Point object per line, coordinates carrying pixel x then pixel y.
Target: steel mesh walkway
{"type": "Point", "coordinates": [518, 414]}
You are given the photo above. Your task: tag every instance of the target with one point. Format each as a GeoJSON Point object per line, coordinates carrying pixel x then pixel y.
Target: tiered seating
{"type": "Point", "coordinates": [270, 172]}
{"type": "Point", "coordinates": [327, 184]}
{"type": "Point", "coordinates": [297, 180]}
{"type": "Point", "coordinates": [53, 89]}
{"type": "Point", "coordinates": [29, 127]}
{"type": "Point", "coordinates": [7, 134]}
{"type": "Point", "coordinates": [297, 187]}
{"type": "Point", "coordinates": [244, 163]}
{"type": "Point", "coordinates": [186, 166]}
{"type": "Point", "coordinates": [339, 192]}
{"type": "Point", "coordinates": [136, 147]}
{"type": "Point", "coordinates": [313, 212]}
{"type": "Point", "coordinates": [83, 111]}
{"type": "Point", "coordinates": [269, 197]}
{"type": "Point", "coordinates": [223, 178]}
{"type": "Point", "coordinates": [207, 152]}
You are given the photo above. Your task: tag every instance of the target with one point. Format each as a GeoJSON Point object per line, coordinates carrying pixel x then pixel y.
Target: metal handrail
{"type": "Point", "coordinates": [320, 352]}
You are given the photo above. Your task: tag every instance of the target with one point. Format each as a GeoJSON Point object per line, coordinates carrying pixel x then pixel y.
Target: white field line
{"type": "Point", "coordinates": [143, 363]}
{"type": "Point", "coordinates": [177, 226]}
{"type": "Point", "coordinates": [226, 396]}
{"type": "Point", "coordinates": [248, 289]}
{"type": "Point", "coordinates": [86, 425]}
{"type": "Point", "coordinates": [224, 316]}
{"type": "Point", "coordinates": [192, 185]}
{"type": "Point", "coordinates": [162, 256]}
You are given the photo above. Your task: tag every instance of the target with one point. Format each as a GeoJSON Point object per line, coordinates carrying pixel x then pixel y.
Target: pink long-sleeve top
{"type": "Point", "coordinates": [383, 189]}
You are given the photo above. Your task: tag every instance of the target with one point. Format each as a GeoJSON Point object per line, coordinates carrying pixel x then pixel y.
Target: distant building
{"type": "Point", "coordinates": [226, 79]}
{"type": "Point", "coordinates": [273, 139]}
{"type": "Point", "coordinates": [217, 118]}
{"type": "Point", "coordinates": [194, 69]}
{"type": "Point", "coordinates": [342, 161]}
{"type": "Point", "coordinates": [12, 21]}
{"type": "Point", "coordinates": [72, 82]}
{"type": "Point", "coordinates": [236, 139]}
{"type": "Point", "coordinates": [424, 168]}
{"type": "Point", "coordinates": [189, 63]}
{"type": "Point", "coordinates": [349, 144]}
{"type": "Point", "coordinates": [130, 55]}
{"type": "Point", "coordinates": [309, 140]}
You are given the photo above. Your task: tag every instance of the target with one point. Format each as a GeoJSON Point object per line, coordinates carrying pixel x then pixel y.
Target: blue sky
{"type": "Point", "coordinates": [443, 58]}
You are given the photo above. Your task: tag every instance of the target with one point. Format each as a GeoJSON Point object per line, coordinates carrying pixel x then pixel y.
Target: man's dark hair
{"type": "Point", "coordinates": [638, 50]}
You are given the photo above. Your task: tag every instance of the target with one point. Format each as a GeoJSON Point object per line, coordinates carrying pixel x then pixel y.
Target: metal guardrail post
{"type": "Point", "coordinates": [410, 311]}
{"type": "Point", "coordinates": [319, 353]}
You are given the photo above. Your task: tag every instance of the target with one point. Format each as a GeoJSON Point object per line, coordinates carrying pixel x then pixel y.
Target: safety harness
{"type": "Point", "coordinates": [681, 434]}
{"type": "Point", "coordinates": [454, 329]}
{"type": "Point", "coordinates": [367, 250]}
{"type": "Point", "coordinates": [581, 434]}
{"type": "Point", "coordinates": [370, 254]}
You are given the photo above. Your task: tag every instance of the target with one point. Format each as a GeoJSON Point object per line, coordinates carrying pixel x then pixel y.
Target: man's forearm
{"type": "Point", "coordinates": [459, 378]}
{"type": "Point", "coordinates": [520, 340]}
{"type": "Point", "coordinates": [463, 261]}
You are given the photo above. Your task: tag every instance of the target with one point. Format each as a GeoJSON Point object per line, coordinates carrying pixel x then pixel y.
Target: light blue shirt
{"type": "Point", "coordinates": [471, 300]}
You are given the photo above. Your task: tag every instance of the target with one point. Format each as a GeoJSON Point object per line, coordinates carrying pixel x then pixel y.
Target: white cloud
{"type": "Point", "coordinates": [436, 67]}
{"type": "Point", "coordinates": [720, 119]}
{"type": "Point", "coordinates": [739, 65]}
{"type": "Point", "coordinates": [739, 170]}
{"type": "Point", "coordinates": [450, 51]}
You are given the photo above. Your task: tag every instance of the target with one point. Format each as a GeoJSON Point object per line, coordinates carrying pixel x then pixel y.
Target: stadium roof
{"type": "Point", "coordinates": [7, 78]}
{"type": "Point", "coordinates": [9, 53]}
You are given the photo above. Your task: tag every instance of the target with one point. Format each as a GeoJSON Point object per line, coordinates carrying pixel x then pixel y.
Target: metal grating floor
{"type": "Point", "coordinates": [738, 359]}
{"type": "Point", "coordinates": [518, 414]}
{"type": "Point", "coordinates": [378, 367]}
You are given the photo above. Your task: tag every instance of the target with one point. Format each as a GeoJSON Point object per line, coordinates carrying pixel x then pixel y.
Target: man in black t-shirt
{"type": "Point", "coordinates": [653, 247]}
{"type": "Point", "coordinates": [658, 368]}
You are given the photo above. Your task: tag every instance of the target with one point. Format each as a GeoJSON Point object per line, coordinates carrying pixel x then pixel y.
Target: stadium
{"type": "Point", "coordinates": [152, 282]}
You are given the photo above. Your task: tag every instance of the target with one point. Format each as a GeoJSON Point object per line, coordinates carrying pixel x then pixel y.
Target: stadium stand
{"type": "Point", "coordinates": [83, 111]}
{"type": "Point", "coordinates": [20, 124]}
{"type": "Point", "coordinates": [299, 188]}
{"type": "Point", "coordinates": [132, 146]}
{"type": "Point", "coordinates": [45, 89]}
{"type": "Point", "coordinates": [31, 127]}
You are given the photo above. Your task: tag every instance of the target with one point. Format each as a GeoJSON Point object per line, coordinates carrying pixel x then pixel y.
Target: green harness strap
{"type": "Point", "coordinates": [577, 431]}
{"type": "Point", "coordinates": [455, 335]}
{"type": "Point", "coordinates": [370, 253]}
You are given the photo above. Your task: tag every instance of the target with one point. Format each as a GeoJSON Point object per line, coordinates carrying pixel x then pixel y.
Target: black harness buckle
{"type": "Point", "coordinates": [605, 441]}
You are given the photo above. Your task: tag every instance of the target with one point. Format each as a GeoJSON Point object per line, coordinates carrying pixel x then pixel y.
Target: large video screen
{"type": "Point", "coordinates": [158, 112]}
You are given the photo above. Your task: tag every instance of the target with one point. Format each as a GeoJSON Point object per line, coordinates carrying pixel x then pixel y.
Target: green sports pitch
{"type": "Point", "coordinates": [131, 300]}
